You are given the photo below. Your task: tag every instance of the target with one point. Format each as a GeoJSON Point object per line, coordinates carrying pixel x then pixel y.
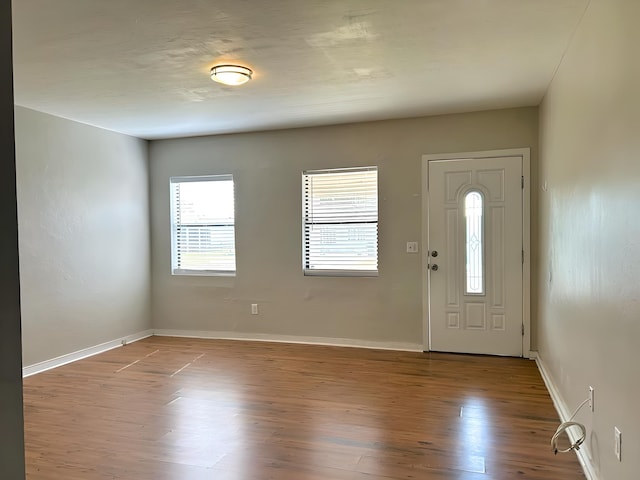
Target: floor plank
{"type": "Point", "coordinates": [187, 409]}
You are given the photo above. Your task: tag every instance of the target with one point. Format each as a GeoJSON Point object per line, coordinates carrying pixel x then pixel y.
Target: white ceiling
{"type": "Point", "coordinates": [141, 67]}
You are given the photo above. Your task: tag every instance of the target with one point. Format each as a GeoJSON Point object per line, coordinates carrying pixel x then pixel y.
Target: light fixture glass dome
{"type": "Point", "coordinates": [231, 74]}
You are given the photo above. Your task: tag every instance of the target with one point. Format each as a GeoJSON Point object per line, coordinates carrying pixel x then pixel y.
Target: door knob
{"type": "Point", "coordinates": [434, 267]}
{"type": "Point", "coordinates": [434, 253]}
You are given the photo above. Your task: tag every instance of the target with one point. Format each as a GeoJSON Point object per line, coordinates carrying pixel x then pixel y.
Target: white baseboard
{"type": "Point", "coordinates": [262, 337]}
{"type": "Point", "coordinates": [84, 353]}
{"type": "Point", "coordinates": [565, 413]}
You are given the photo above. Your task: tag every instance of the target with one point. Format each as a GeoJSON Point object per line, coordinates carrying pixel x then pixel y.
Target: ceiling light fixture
{"type": "Point", "coordinates": [231, 74]}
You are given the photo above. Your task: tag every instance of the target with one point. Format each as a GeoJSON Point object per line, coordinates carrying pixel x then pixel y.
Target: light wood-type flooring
{"type": "Point", "coordinates": [185, 409]}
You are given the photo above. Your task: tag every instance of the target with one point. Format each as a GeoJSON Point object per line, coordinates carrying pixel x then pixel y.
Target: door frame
{"type": "Point", "coordinates": [525, 155]}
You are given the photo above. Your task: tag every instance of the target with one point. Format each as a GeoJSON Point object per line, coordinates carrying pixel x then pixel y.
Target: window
{"type": "Point", "coordinates": [203, 225]}
{"type": "Point", "coordinates": [474, 245]}
{"type": "Point", "coordinates": [340, 222]}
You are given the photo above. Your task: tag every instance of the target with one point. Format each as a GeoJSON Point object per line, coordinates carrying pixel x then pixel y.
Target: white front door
{"type": "Point", "coordinates": [475, 247]}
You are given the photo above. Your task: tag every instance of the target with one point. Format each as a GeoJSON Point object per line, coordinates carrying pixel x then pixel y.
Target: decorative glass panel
{"type": "Point", "coordinates": [474, 245]}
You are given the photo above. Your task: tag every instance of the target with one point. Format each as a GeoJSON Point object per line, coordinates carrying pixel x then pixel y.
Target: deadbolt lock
{"type": "Point", "coordinates": [434, 253]}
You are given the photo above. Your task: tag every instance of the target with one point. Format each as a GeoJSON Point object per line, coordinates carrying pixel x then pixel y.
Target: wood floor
{"type": "Point", "coordinates": [182, 409]}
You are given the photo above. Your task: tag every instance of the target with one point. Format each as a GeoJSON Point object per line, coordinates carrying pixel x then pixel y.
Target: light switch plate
{"type": "Point", "coordinates": [412, 247]}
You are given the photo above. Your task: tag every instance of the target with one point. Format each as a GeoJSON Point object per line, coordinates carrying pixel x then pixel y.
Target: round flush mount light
{"type": "Point", "coordinates": [231, 74]}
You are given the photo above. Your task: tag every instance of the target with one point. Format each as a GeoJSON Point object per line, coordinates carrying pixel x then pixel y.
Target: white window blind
{"type": "Point", "coordinates": [340, 222]}
{"type": "Point", "coordinates": [203, 225]}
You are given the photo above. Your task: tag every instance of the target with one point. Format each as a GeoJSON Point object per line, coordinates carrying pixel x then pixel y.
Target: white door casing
{"type": "Point", "coordinates": [495, 318]}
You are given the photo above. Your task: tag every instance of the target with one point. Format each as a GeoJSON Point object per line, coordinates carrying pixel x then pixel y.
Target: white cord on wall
{"type": "Point", "coordinates": [564, 426]}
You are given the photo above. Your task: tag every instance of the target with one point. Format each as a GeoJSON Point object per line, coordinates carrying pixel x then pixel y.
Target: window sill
{"type": "Point", "coordinates": [203, 273]}
{"type": "Point", "coordinates": [340, 273]}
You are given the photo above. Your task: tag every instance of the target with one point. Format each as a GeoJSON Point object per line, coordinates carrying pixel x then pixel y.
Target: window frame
{"type": "Point", "coordinates": [346, 272]}
{"type": "Point", "coordinates": [175, 271]}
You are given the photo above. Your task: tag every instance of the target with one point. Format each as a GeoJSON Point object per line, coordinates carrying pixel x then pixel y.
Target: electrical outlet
{"type": "Point", "coordinates": [254, 309]}
{"type": "Point", "coordinates": [591, 405]}
{"type": "Point", "coordinates": [617, 448]}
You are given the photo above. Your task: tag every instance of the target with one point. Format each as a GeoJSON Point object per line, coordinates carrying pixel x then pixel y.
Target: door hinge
{"type": "Point", "coordinates": [523, 329]}
{"type": "Point", "coordinates": [522, 182]}
{"type": "Point", "coordinates": [523, 257]}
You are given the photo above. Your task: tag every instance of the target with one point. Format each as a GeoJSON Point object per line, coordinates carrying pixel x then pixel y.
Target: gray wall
{"type": "Point", "coordinates": [267, 170]}
{"type": "Point", "coordinates": [589, 330]}
{"type": "Point", "coordinates": [11, 426]}
{"type": "Point", "coordinates": [83, 213]}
